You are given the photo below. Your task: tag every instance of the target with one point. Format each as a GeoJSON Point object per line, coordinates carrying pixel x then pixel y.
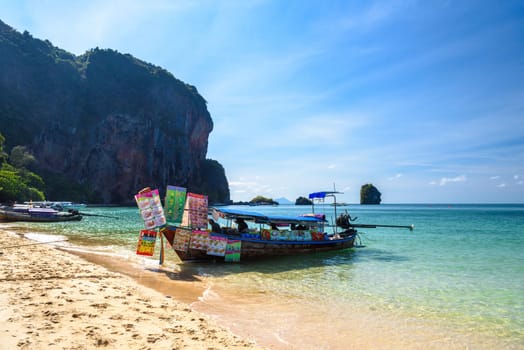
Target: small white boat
{"type": "Point", "coordinates": [58, 205]}
{"type": "Point", "coordinates": [67, 205]}
{"type": "Point", "coordinates": [21, 213]}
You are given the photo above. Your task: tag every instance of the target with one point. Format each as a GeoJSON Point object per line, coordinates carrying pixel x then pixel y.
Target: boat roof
{"type": "Point", "coordinates": [285, 219]}
{"type": "Point", "coordinates": [240, 214]}
{"type": "Point", "coordinates": [323, 194]}
{"type": "Point", "coordinates": [269, 219]}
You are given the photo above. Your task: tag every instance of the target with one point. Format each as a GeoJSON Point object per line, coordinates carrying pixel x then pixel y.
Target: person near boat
{"type": "Point", "coordinates": [215, 228]}
{"type": "Point", "coordinates": [242, 225]}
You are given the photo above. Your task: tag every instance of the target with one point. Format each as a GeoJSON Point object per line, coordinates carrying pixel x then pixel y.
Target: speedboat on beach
{"type": "Point", "coordinates": [57, 205]}
{"type": "Point", "coordinates": [35, 214]}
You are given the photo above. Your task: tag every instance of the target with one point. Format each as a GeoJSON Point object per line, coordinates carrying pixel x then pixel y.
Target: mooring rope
{"type": "Point", "coordinates": [29, 244]}
{"type": "Point", "coordinates": [57, 241]}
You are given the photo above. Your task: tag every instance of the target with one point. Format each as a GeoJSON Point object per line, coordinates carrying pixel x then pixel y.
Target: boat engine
{"type": "Point", "coordinates": [344, 221]}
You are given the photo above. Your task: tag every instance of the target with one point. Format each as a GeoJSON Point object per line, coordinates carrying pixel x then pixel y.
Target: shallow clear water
{"type": "Point", "coordinates": [462, 268]}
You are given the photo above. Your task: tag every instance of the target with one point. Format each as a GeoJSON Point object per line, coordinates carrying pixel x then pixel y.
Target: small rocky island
{"type": "Point", "coordinates": [369, 194]}
{"type": "Point", "coordinates": [303, 201]}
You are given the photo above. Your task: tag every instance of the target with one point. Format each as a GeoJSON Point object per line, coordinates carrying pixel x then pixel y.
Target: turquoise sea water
{"type": "Point", "coordinates": [460, 274]}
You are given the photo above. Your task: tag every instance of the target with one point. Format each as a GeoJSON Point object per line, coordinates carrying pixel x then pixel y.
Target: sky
{"type": "Point", "coordinates": [423, 99]}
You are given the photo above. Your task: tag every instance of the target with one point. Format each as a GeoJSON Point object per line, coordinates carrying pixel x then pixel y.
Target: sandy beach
{"type": "Point", "coordinates": [69, 296]}
{"type": "Point", "coordinates": [50, 298]}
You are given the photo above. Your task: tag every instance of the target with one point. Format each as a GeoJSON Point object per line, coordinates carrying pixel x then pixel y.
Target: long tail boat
{"type": "Point", "coordinates": [267, 242]}
{"type": "Point", "coordinates": [255, 235]}
{"type": "Point", "coordinates": [275, 236]}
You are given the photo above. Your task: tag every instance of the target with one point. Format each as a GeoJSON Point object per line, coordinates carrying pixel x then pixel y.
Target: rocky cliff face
{"type": "Point", "coordinates": [104, 122]}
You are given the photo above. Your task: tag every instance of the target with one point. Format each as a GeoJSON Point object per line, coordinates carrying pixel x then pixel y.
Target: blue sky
{"type": "Point", "coordinates": [424, 99]}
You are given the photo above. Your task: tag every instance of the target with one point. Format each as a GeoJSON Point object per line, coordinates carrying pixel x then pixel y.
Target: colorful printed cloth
{"type": "Point", "coordinates": [217, 246]}
{"type": "Point", "coordinates": [174, 205]}
{"type": "Point", "coordinates": [181, 240]}
{"type": "Point", "coordinates": [199, 240]}
{"type": "Point", "coordinates": [217, 214]}
{"type": "Point", "coordinates": [146, 243]}
{"type": "Point", "coordinates": [233, 249]}
{"type": "Point", "coordinates": [151, 209]}
{"type": "Point", "coordinates": [195, 212]}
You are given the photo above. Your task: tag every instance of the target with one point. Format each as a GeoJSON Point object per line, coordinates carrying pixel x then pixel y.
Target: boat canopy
{"type": "Point", "coordinates": [270, 219]}
{"type": "Point", "coordinates": [323, 194]}
{"type": "Point", "coordinates": [298, 220]}
{"type": "Point", "coordinates": [240, 214]}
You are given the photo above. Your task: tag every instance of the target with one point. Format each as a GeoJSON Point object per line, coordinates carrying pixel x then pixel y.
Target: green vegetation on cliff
{"type": "Point", "coordinates": [17, 183]}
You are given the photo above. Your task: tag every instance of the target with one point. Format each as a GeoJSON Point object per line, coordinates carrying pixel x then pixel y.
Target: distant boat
{"type": "Point", "coordinates": [58, 205]}
{"type": "Point", "coordinates": [68, 205]}
{"type": "Point", "coordinates": [339, 204]}
{"type": "Point", "coordinates": [30, 214]}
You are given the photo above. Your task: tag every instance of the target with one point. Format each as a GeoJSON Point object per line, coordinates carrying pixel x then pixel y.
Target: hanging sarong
{"type": "Point", "coordinates": [217, 246]}
{"type": "Point", "coordinates": [174, 205]}
{"type": "Point", "coordinates": [151, 209]}
{"type": "Point", "coordinates": [199, 240]}
{"type": "Point", "coordinates": [181, 240]}
{"type": "Point", "coordinates": [195, 212]}
{"type": "Point", "coordinates": [233, 248]}
{"type": "Point", "coordinates": [146, 243]}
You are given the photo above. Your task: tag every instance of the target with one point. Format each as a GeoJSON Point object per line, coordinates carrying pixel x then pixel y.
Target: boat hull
{"type": "Point", "coordinates": [252, 249]}
{"type": "Point", "coordinates": [6, 215]}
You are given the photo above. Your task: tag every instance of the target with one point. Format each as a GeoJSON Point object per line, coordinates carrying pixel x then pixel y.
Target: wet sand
{"type": "Point", "coordinates": [50, 298]}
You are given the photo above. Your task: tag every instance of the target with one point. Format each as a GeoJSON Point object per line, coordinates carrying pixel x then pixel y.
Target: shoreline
{"type": "Point", "coordinates": [182, 287]}
{"type": "Point", "coordinates": [243, 315]}
{"type": "Point", "coordinates": [56, 298]}
{"type": "Point", "coordinates": [256, 318]}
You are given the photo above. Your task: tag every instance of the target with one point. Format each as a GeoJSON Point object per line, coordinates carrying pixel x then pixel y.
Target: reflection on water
{"type": "Point", "coordinates": [295, 264]}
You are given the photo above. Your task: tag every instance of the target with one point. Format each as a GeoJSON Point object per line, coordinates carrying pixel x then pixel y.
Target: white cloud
{"type": "Point", "coordinates": [445, 180]}
{"type": "Point", "coordinates": [494, 177]}
{"type": "Point", "coordinates": [327, 128]}
{"type": "Point", "coordinates": [396, 177]}
{"type": "Point", "coordinates": [516, 177]}
{"type": "Point", "coordinates": [250, 188]}
{"type": "Point", "coordinates": [501, 185]}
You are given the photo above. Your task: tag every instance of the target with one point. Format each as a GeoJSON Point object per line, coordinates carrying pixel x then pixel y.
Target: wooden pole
{"type": "Point", "coordinates": [410, 227]}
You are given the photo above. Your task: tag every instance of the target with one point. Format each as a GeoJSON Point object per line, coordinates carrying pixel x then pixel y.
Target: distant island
{"type": "Point", "coordinates": [258, 200]}
{"type": "Point", "coordinates": [303, 201]}
{"type": "Point", "coordinates": [283, 201]}
{"type": "Point", "coordinates": [369, 194]}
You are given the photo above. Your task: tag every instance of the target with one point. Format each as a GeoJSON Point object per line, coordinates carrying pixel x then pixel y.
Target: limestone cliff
{"type": "Point", "coordinates": [103, 124]}
{"type": "Point", "coordinates": [369, 194]}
